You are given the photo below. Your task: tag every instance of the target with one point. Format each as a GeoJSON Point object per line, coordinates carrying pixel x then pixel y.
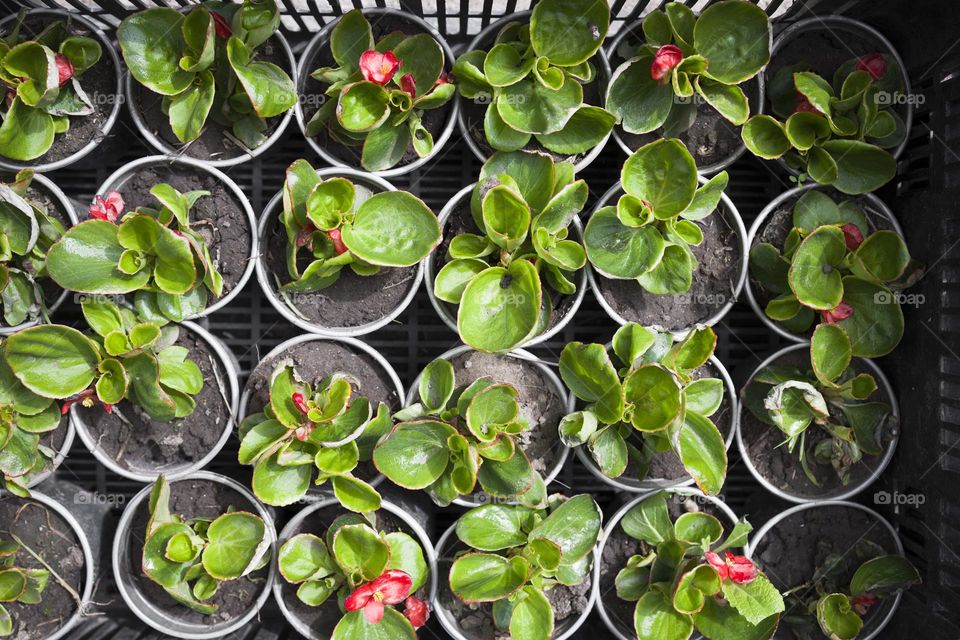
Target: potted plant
{"type": "Point", "coordinates": [344, 576]}
{"type": "Point", "coordinates": [519, 572]}
{"type": "Point", "coordinates": [480, 432]}
{"type": "Point", "coordinates": [61, 78]}
{"type": "Point", "coordinates": [662, 256]}
{"type": "Point", "coordinates": [212, 82]}
{"type": "Point", "coordinates": [845, 261]}
{"type": "Point", "coordinates": [840, 567]}
{"type": "Point", "coordinates": [193, 557]}
{"type": "Point", "coordinates": [672, 555]}
{"type": "Point", "coordinates": [46, 568]}
{"type": "Point", "coordinates": [342, 249]}
{"type": "Point", "coordinates": [511, 271]}
{"type": "Point", "coordinates": [840, 119]}
{"type": "Point", "coordinates": [648, 417]}
{"type": "Point", "coordinates": [33, 215]}
{"type": "Point", "coordinates": [680, 75]}
{"type": "Point", "coordinates": [377, 91]}
{"type": "Point", "coordinates": [819, 424]}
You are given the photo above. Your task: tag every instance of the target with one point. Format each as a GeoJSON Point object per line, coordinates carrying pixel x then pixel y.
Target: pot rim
{"type": "Point", "coordinates": [125, 523]}
{"type": "Point", "coordinates": [603, 76]}
{"type": "Point", "coordinates": [323, 501]}
{"type": "Point", "coordinates": [611, 527]}
{"type": "Point", "coordinates": [105, 45]}
{"type": "Point", "coordinates": [130, 169]}
{"type": "Point", "coordinates": [320, 40]}
{"type": "Point", "coordinates": [898, 545]}
{"type": "Point", "coordinates": [883, 384]}
{"type": "Point", "coordinates": [264, 272]}
{"type": "Point", "coordinates": [169, 151]}
{"type": "Point", "coordinates": [707, 170]}
{"type": "Point", "coordinates": [582, 279]}
{"type": "Point", "coordinates": [524, 356]}
{"type": "Point", "coordinates": [659, 484]}
{"type": "Point", "coordinates": [771, 208]}
{"type": "Point", "coordinates": [450, 626]}
{"type": "Point", "coordinates": [70, 212]}
{"type": "Point", "coordinates": [230, 368]}
{"type": "Point", "coordinates": [731, 212]}
{"type": "Point", "coordinates": [61, 454]}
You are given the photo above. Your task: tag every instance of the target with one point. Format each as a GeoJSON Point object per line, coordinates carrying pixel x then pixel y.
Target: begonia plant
{"type": "Point", "coordinates": [17, 584]}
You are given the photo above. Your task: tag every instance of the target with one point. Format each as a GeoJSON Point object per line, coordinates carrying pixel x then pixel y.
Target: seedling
{"type": "Point", "coordinates": [370, 572]}
{"type": "Point", "coordinates": [154, 253]}
{"type": "Point", "coordinates": [533, 79]}
{"type": "Point", "coordinates": [454, 439]}
{"type": "Point", "coordinates": [27, 232]}
{"type": "Point", "coordinates": [501, 279]}
{"type": "Point", "coordinates": [648, 234]}
{"type": "Point", "coordinates": [41, 81]}
{"type": "Point", "coordinates": [326, 425]}
{"type": "Point", "coordinates": [17, 584]}
{"type": "Point", "coordinates": [378, 92]}
{"type": "Point", "coordinates": [651, 393]}
{"type": "Point", "coordinates": [686, 59]}
{"type": "Point", "coordinates": [340, 224]}
{"type": "Point", "coordinates": [832, 396]}
{"type": "Point", "coordinates": [518, 554]}
{"type": "Point", "coordinates": [832, 264]}
{"type": "Point", "coordinates": [836, 134]}
{"type": "Point", "coordinates": [684, 579]}
{"type": "Point", "coordinates": [203, 63]}
{"type": "Point", "coordinates": [179, 550]}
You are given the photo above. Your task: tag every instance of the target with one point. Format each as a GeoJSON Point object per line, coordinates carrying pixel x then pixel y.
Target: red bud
{"type": "Point", "coordinates": [841, 312]}
{"type": "Point", "coordinates": [408, 84]}
{"type": "Point", "coordinates": [300, 402]}
{"type": "Point", "coordinates": [64, 69]}
{"type": "Point", "coordinates": [417, 611]}
{"type": "Point", "coordinates": [221, 25]}
{"type": "Point", "coordinates": [852, 236]}
{"type": "Point", "coordinates": [874, 64]}
{"type": "Point", "coordinates": [862, 603]}
{"type": "Point", "coordinates": [335, 237]}
{"type": "Point", "coordinates": [664, 60]}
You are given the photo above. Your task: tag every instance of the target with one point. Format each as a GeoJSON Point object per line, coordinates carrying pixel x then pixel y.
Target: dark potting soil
{"type": "Point", "coordinates": [195, 499]}
{"type": "Point", "coordinates": [213, 143]}
{"type": "Point", "coordinates": [138, 442]}
{"type": "Point", "coordinates": [324, 618]}
{"type": "Point", "coordinates": [800, 544]}
{"type": "Point", "coordinates": [99, 82]}
{"type": "Point", "coordinates": [773, 461]}
{"type": "Point", "coordinates": [219, 217]}
{"type": "Point", "coordinates": [312, 93]}
{"type": "Point", "coordinates": [715, 278]}
{"type": "Point", "coordinates": [52, 538]}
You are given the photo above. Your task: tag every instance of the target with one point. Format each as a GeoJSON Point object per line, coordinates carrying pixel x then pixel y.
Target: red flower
{"type": "Point", "coordinates": [862, 603]}
{"type": "Point", "coordinates": [337, 240]}
{"type": "Point", "coordinates": [417, 611]}
{"type": "Point", "coordinates": [221, 25]}
{"type": "Point", "coordinates": [378, 67]}
{"type": "Point", "coordinates": [109, 209]}
{"type": "Point", "coordinates": [852, 236]}
{"type": "Point", "coordinates": [874, 64]}
{"type": "Point", "coordinates": [408, 84]}
{"type": "Point", "coordinates": [85, 398]}
{"type": "Point", "coordinates": [64, 68]}
{"type": "Point", "coordinates": [841, 312]}
{"type": "Point", "coordinates": [739, 569]}
{"type": "Point", "coordinates": [301, 403]}
{"type": "Point", "coordinates": [664, 60]}
{"type": "Point", "coordinates": [392, 587]}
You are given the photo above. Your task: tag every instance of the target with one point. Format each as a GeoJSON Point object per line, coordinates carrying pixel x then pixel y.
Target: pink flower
{"type": "Point", "coordinates": [874, 64]}
{"type": "Point", "coordinates": [109, 209]}
{"type": "Point", "coordinates": [841, 312]}
{"type": "Point", "coordinates": [337, 240]}
{"type": "Point", "coordinates": [852, 236]}
{"type": "Point", "coordinates": [408, 84]}
{"type": "Point", "coordinates": [221, 25]}
{"type": "Point", "coordinates": [417, 611]}
{"type": "Point", "coordinates": [64, 68]}
{"type": "Point", "coordinates": [378, 67]}
{"type": "Point", "coordinates": [862, 603]}
{"type": "Point", "coordinates": [664, 60]}
{"type": "Point", "coordinates": [392, 587]}
{"type": "Point", "coordinates": [738, 569]}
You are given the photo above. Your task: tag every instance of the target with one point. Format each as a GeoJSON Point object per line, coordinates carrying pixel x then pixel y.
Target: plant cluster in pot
{"type": "Point", "coordinates": [840, 567]}
{"type": "Point", "coordinates": [193, 557]}
{"type": "Point", "coordinates": [695, 78]}
{"type": "Point", "coordinates": [519, 572]}
{"type": "Point", "coordinates": [376, 92]}
{"type": "Point", "coordinates": [482, 430]}
{"type": "Point", "coordinates": [342, 249]}
{"type": "Point", "coordinates": [512, 271]}
{"type": "Point", "coordinates": [846, 261]}
{"type": "Point", "coordinates": [668, 569]}
{"type": "Point", "coordinates": [650, 409]}
{"type": "Point", "coordinates": [209, 82]}
{"type": "Point", "coordinates": [817, 424]}
{"type": "Point", "coordinates": [61, 79]}
{"type": "Point", "coordinates": [348, 576]}
{"type": "Point", "coordinates": [667, 253]}
{"type": "Point", "coordinates": [535, 81]}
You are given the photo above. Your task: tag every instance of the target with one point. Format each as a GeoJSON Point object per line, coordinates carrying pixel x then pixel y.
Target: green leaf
{"type": "Point", "coordinates": [530, 107]}
{"type": "Point", "coordinates": [862, 167]}
{"type": "Point", "coordinates": [384, 147]}
{"type": "Point", "coordinates": [631, 341]}
{"type": "Point", "coordinates": [508, 479]}
{"type": "Point", "coordinates": [503, 65]}
{"type": "Point", "coordinates": [805, 129]}
{"type": "Point", "coordinates": [407, 556]}
{"type": "Point", "coordinates": [876, 325]}
{"type": "Point", "coordinates": [692, 352]}
{"type": "Point", "coordinates": [420, 56]}
{"type": "Point", "coordinates": [609, 450]}
{"type": "Point", "coordinates": [277, 485]}
{"type": "Point", "coordinates": [85, 259]}
{"type": "Point", "coordinates": [837, 618]}
{"type": "Point", "coordinates": [619, 251]}
{"type": "Point", "coordinates": [500, 307]}
{"type": "Point", "coordinates": [568, 33]}
{"type": "Point", "coordinates": [655, 618]}
{"type": "Point", "coordinates": [491, 408]}
{"type": "Point", "coordinates": [26, 133]}
{"type": "Point", "coordinates": [695, 527]}
{"type": "Point", "coordinates": [882, 256]}
{"type": "Point", "coordinates": [532, 617]}
{"type": "Point", "coordinates": [188, 109]}
{"type": "Point", "coordinates": [703, 452]}
{"type": "Point", "coordinates": [350, 38]}
{"type": "Point", "coordinates": [534, 173]}
{"type": "Point", "coordinates": [590, 375]}
{"type": "Point", "coordinates": [694, 587]}
{"type": "Point", "coordinates": [884, 575]}
{"type": "Point", "coordinates": [574, 527]}
{"type": "Point", "coordinates": [735, 38]}
{"type": "Point", "coordinates": [268, 87]}
{"type": "Point", "coordinates": [486, 577]}
{"type": "Point", "coordinates": [498, 133]}
{"type": "Point", "coordinates": [641, 103]}
{"type": "Point", "coordinates": [585, 129]}
{"type": "Point", "coordinates": [577, 428]}
{"type": "Point", "coordinates": [814, 275]}
{"type": "Point", "coordinates": [453, 278]}
{"type": "Point", "coordinates": [53, 361]}
{"type": "Point", "coordinates": [235, 545]}
{"type": "Point", "coordinates": [305, 557]}
{"type": "Point", "coordinates": [393, 626]}
{"type": "Point", "coordinates": [13, 584]}
{"type": "Point", "coordinates": [494, 527]}
{"type": "Point", "coordinates": [728, 100]}
{"type": "Point", "coordinates": [361, 552]}
{"type": "Point", "coordinates": [662, 173]}
{"type": "Point", "coordinates": [414, 454]}
{"type": "Point", "coordinates": [393, 229]}
{"type": "Point", "coordinates": [830, 352]}
{"type": "Point", "coordinates": [649, 520]}
{"type": "Point", "coordinates": [654, 395]}
{"type": "Point", "coordinates": [704, 396]}
{"type": "Point", "coordinates": [436, 384]}
{"type": "Point", "coordinates": [151, 42]}
{"type": "Point", "coordinates": [765, 137]}
{"type": "Point", "coordinates": [720, 621]}
{"type": "Point", "coordinates": [756, 600]}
